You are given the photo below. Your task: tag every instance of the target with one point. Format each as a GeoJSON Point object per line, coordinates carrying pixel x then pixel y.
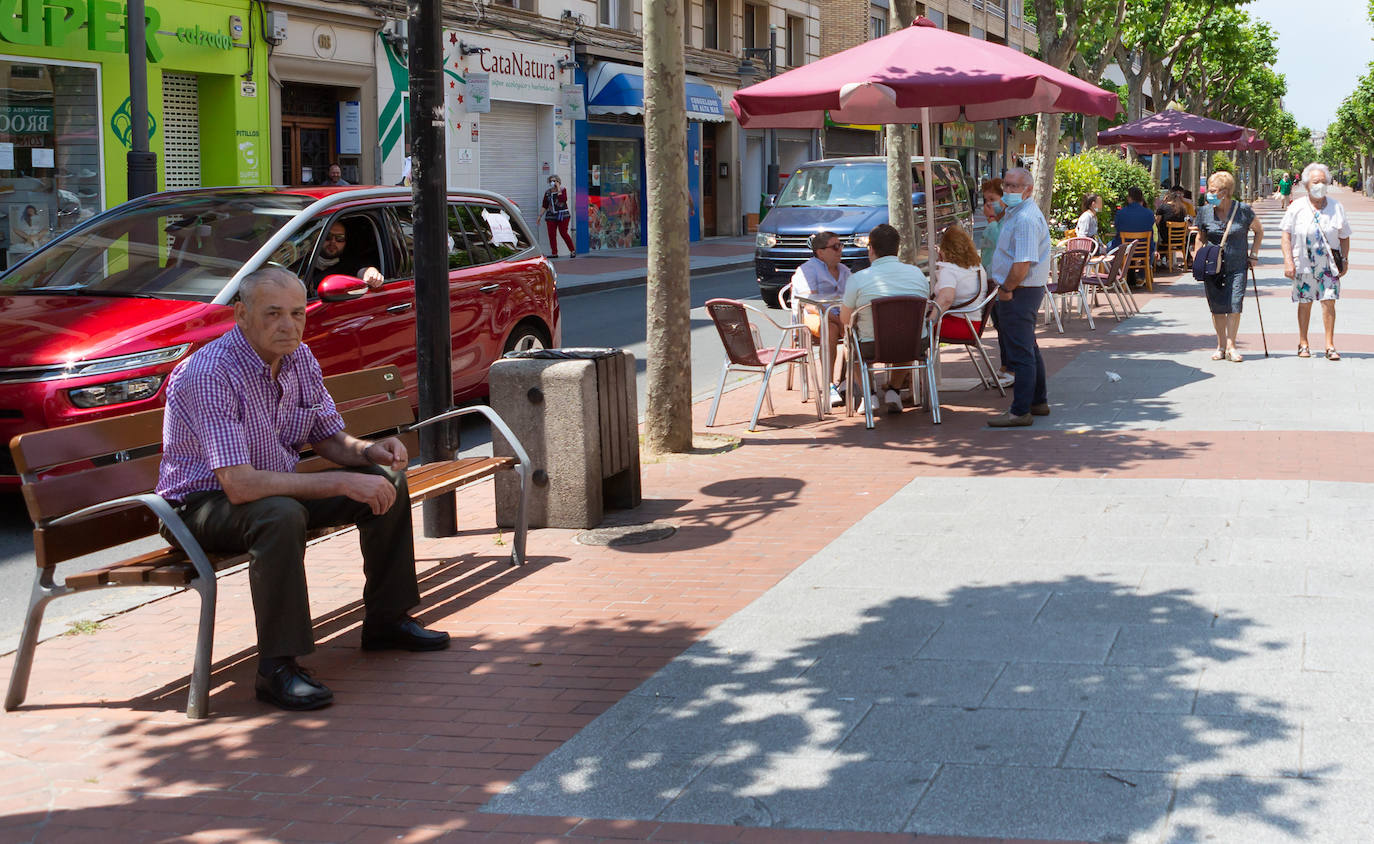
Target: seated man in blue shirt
{"type": "Point", "coordinates": [886, 275]}
{"type": "Point", "coordinates": [1134, 217]}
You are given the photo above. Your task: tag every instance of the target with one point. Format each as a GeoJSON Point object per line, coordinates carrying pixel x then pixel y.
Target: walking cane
{"type": "Point", "coordinates": [1254, 287]}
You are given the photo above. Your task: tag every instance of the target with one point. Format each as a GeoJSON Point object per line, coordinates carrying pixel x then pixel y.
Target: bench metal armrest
{"type": "Point", "coordinates": [496, 422]}
{"type": "Point", "coordinates": [164, 513]}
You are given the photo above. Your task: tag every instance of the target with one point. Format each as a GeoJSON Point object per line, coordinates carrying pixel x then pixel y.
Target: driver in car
{"type": "Point", "coordinates": [332, 259]}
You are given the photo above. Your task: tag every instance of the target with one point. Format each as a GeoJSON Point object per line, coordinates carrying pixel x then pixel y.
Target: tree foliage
{"type": "Point", "coordinates": [1101, 171]}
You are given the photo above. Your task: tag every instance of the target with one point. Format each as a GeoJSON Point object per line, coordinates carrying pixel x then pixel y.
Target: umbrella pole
{"type": "Point", "coordinates": [926, 153]}
{"type": "Point", "coordinates": [1171, 165]}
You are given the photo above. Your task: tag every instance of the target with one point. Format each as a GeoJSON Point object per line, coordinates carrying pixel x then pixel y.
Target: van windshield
{"type": "Point", "coordinates": [838, 184]}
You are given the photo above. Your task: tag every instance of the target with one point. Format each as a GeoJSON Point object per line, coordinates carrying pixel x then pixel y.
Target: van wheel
{"type": "Point", "coordinates": [526, 338]}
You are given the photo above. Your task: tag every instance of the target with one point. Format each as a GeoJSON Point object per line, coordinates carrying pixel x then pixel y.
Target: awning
{"type": "Point", "coordinates": [615, 88]}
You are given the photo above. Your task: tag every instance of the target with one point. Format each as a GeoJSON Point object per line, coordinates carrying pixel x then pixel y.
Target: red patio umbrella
{"type": "Point", "coordinates": [919, 74]}
{"type": "Point", "coordinates": [1173, 128]}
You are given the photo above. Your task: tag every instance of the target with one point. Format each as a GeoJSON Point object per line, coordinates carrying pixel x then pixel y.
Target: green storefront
{"type": "Point", "coordinates": [65, 106]}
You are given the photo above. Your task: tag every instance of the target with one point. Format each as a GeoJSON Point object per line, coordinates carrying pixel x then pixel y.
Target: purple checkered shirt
{"type": "Point", "coordinates": [224, 409]}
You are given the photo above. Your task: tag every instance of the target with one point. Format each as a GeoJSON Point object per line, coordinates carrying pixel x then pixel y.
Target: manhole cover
{"type": "Point", "coordinates": [615, 535]}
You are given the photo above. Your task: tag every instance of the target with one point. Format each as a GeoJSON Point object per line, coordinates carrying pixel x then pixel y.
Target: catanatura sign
{"type": "Point", "coordinates": [98, 24]}
{"type": "Point", "coordinates": [517, 71]}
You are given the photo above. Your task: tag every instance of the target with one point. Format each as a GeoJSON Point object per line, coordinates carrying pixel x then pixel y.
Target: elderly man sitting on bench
{"type": "Point", "coordinates": [238, 412]}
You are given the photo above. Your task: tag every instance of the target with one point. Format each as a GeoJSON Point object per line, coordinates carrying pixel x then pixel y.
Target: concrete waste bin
{"type": "Point", "coordinates": [576, 412]}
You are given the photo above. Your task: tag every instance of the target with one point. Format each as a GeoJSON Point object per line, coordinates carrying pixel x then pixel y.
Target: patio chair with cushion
{"type": "Point", "coordinates": [745, 350]}
{"type": "Point", "coordinates": [963, 324]}
{"type": "Point", "coordinates": [902, 341]}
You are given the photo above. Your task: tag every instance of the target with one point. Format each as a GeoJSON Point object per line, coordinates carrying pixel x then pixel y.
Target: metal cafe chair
{"type": "Point", "coordinates": [1112, 282]}
{"type": "Point", "coordinates": [1067, 281]}
{"type": "Point", "coordinates": [900, 344]}
{"type": "Point", "coordinates": [963, 324]}
{"type": "Point", "coordinates": [744, 350]}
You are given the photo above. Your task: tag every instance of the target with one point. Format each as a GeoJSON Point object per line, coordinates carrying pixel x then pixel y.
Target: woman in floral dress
{"type": "Point", "coordinates": [1314, 226]}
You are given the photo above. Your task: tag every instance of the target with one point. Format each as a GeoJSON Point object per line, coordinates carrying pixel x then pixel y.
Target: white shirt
{"type": "Point", "coordinates": [887, 276]}
{"type": "Point", "coordinates": [1087, 224]}
{"type": "Point", "coordinates": [969, 283]}
{"type": "Point", "coordinates": [813, 278]}
{"type": "Point", "coordinates": [1298, 220]}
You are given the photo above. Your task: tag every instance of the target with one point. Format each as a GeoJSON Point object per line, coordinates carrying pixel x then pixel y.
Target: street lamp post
{"type": "Point", "coordinates": [769, 55]}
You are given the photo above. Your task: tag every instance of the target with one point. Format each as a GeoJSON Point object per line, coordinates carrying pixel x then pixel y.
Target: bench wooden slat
{"type": "Point", "coordinates": [37, 450]}
{"type": "Point", "coordinates": [435, 479]}
{"type": "Point", "coordinates": [123, 571]}
{"type": "Point", "coordinates": [365, 383]}
{"type": "Point", "coordinates": [67, 542]}
{"type": "Point", "coordinates": [57, 495]}
{"type": "Point", "coordinates": [375, 418]}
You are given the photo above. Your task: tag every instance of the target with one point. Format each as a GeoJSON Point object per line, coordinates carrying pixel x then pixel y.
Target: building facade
{"type": "Point", "coordinates": [65, 125]}
{"type": "Point", "coordinates": [979, 146]}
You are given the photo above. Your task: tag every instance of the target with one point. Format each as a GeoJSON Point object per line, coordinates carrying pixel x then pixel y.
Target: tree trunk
{"type": "Point", "coordinates": [1046, 151]}
{"type": "Point", "coordinates": [1090, 130]}
{"type": "Point", "coordinates": [668, 416]}
{"type": "Point", "coordinates": [899, 189]}
{"type": "Point", "coordinates": [900, 214]}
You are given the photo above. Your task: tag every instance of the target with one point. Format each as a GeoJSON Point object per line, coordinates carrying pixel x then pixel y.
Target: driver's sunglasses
{"type": "Point", "coordinates": [337, 238]}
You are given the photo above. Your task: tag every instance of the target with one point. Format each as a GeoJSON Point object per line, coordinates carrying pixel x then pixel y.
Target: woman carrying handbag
{"type": "Point", "coordinates": [1316, 255]}
{"type": "Point", "coordinates": [554, 212]}
{"type": "Point", "coordinates": [1222, 223]}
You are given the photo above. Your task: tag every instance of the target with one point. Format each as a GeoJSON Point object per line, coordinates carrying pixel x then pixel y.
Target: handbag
{"type": "Point", "coordinates": [1336, 257]}
{"type": "Point", "coordinates": [1207, 263]}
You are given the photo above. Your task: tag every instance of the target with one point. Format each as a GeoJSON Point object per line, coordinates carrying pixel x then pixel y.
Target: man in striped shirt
{"type": "Point", "coordinates": [238, 412]}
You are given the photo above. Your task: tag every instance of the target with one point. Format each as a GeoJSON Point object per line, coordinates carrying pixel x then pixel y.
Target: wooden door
{"type": "Point", "coordinates": [307, 146]}
{"type": "Point", "coordinates": [709, 178]}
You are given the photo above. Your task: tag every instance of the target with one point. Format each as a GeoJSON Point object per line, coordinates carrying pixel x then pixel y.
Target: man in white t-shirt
{"type": "Point", "coordinates": [886, 276]}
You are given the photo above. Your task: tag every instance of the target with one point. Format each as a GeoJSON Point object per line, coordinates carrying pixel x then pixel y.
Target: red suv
{"type": "Point", "coordinates": [91, 325]}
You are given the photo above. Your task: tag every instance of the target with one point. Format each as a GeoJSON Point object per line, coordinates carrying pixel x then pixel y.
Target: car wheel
{"type": "Point", "coordinates": [770, 296]}
{"type": "Point", "coordinates": [526, 339]}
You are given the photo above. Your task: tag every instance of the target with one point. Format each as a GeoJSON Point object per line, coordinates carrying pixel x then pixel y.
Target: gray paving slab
{"type": "Point", "coordinates": [602, 784]}
{"type": "Point", "coordinates": [1258, 810]}
{"type": "Point", "coordinates": [1237, 690]}
{"type": "Point", "coordinates": [927, 682]}
{"type": "Point", "coordinates": [794, 722]}
{"type": "Point", "coordinates": [1039, 642]}
{"type": "Point", "coordinates": [1044, 803]}
{"type": "Point", "coordinates": [1338, 651]}
{"type": "Point", "coordinates": [1260, 745]}
{"type": "Point", "coordinates": [1338, 749]}
{"type": "Point", "coordinates": [1112, 688]}
{"type": "Point", "coordinates": [791, 793]}
{"type": "Point", "coordinates": [1251, 647]}
{"type": "Point", "coordinates": [905, 733]}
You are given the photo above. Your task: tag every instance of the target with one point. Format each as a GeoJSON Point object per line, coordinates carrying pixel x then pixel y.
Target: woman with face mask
{"type": "Point", "coordinates": [555, 212]}
{"type": "Point", "coordinates": [1224, 220]}
{"type": "Point", "coordinates": [994, 209]}
{"type": "Point", "coordinates": [1316, 254]}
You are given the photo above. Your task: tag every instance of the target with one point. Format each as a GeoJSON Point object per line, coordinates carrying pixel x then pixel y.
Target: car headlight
{"type": "Point", "coordinates": [116, 392]}
{"type": "Point", "coordinates": [859, 240]}
{"type": "Point", "coordinates": [95, 366]}
{"type": "Point", "coordinates": [764, 240]}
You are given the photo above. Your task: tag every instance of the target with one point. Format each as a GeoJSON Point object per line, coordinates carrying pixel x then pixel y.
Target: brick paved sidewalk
{"type": "Point", "coordinates": [416, 743]}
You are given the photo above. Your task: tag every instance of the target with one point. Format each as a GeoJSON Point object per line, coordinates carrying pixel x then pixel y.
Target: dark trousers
{"type": "Point", "coordinates": [558, 227]}
{"type": "Point", "coordinates": [1016, 323]}
{"type": "Point", "coordinates": [273, 531]}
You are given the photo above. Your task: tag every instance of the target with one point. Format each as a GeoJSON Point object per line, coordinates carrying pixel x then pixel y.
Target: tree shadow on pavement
{"type": "Point", "coordinates": [1053, 708]}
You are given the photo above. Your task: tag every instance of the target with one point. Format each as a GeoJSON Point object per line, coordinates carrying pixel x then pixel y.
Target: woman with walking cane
{"type": "Point", "coordinates": [554, 212]}
{"type": "Point", "coordinates": [1224, 220]}
{"type": "Point", "coordinates": [1316, 255]}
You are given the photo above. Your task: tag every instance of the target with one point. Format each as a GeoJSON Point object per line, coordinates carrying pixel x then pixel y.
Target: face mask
{"type": "Point", "coordinates": [1213, 199]}
{"type": "Point", "coordinates": [1012, 199]}
{"type": "Point", "coordinates": [1317, 191]}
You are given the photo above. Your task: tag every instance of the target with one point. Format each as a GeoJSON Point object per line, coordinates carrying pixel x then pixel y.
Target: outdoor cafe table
{"type": "Point", "coordinates": [823, 304]}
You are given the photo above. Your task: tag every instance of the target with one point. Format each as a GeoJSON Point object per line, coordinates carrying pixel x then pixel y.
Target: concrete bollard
{"type": "Point", "coordinates": [579, 421]}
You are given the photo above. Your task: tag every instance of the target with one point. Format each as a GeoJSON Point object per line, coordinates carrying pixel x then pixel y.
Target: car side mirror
{"type": "Point", "coordinates": [340, 288]}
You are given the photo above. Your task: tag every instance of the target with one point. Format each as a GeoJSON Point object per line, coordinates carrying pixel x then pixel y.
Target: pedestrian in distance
{"type": "Point", "coordinates": [1134, 217]}
{"type": "Point", "coordinates": [824, 276]}
{"type": "Point", "coordinates": [1316, 255]}
{"type": "Point", "coordinates": [993, 211]}
{"type": "Point", "coordinates": [1285, 188]}
{"type": "Point", "coordinates": [1087, 221]}
{"type": "Point", "coordinates": [238, 411]}
{"type": "Point", "coordinates": [1225, 220]}
{"type": "Point", "coordinates": [555, 214]}
{"type": "Point", "coordinates": [1021, 268]}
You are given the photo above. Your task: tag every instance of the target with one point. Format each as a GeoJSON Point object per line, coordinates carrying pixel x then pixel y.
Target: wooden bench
{"type": "Point", "coordinates": [89, 487]}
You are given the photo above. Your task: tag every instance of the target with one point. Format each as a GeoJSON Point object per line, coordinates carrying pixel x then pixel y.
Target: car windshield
{"type": "Point", "coordinates": [839, 184]}
{"type": "Point", "coordinates": [183, 246]}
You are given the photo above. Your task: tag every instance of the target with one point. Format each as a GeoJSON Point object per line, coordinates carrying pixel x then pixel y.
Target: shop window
{"type": "Point", "coordinates": [613, 13]}
{"type": "Point", "coordinates": [879, 24]}
{"type": "Point", "coordinates": [613, 193]}
{"type": "Point", "coordinates": [50, 168]}
{"type": "Point", "coordinates": [523, 5]}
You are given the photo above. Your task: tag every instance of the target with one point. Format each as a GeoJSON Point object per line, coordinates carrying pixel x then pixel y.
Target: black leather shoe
{"type": "Point", "coordinates": [1040, 409]}
{"type": "Point", "coordinates": [403, 634]}
{"type": "Point", "coordinates": [292, 687]}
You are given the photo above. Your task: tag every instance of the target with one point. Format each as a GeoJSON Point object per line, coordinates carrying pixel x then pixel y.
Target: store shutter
{"type": "Point", "coordinates": [509, 161]}
{"type": "Point", "coordinates": [180, 131]}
